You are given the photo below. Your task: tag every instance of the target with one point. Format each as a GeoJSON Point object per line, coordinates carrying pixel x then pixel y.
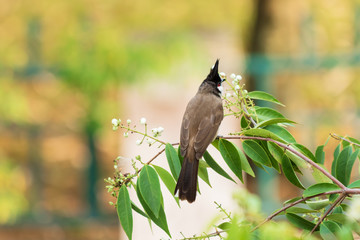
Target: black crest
{"type": "Point", "coordinates": [214, 74]}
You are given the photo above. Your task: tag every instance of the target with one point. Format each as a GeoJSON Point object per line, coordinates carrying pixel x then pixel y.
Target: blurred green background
{"type": "Point", "coordinates": [65, 65]}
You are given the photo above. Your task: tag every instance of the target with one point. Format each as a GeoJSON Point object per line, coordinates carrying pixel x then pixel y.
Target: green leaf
{"type": "Point", "coordinates": [354, 141]}
{"type": "Point", "coordinates": [300, 222]}
{"type": "Point", "coordinates": [149, 186]}
{"type": "Point", "coordinates": [289, 172]}
{"type": "Point", "coordinates": [211, 162]}
{"type": "Point", "coordinates": [203, 173]}
{"type": "Point", "coordinates": [271, 121]}
{"type": "Point", "coordinates": [281, 132]}
{"type": "Point", "coordinates": [276, 151]}
{"type": "Point", "coordinates": [337, 151]}
{"type": "Point", "coordinates": [355, 184]}
{"type": "Point", "coordinates": [319, 176]}
{"type": "Point", "coordinates": [300, 210]}
{"type": "Point", "coordinates": [123, 208]}
{"type": "Point", "coordinates": [231, 156]}
{"type": "Point", "coordinates": [244, 123]}
{"type": "Point", "coordinates": [341, 164]}
{"type": "Point", "coordinates": [320, 154]}
{"type": "Point", "coordinates": [245, 164]}
{"type": "Point", "coordinates": [320, 188]}
{"type": "Point", "coordinates": [305, 151]}
{"type": "Point", "coordinates": [260, 95]}
{"type": "Point", "coordinates": [328, 230]}
{"type": "Point", "coordinates": [265, 113]}
{"type": "Point", "coordinates": [273, 161]}
{"type": "Point", "coordinates": [318, 204]}
{"type": "Point", "coordinates": [224, 226]}
{"type": "Point", "coordinates": [258, 132]}
{"type": "Point", "coordinates": [168, 180]}
{"type": "Point", "coordinates": [349, 166]}
{"type": "Point", "coordinates": [338, 217]}
{"type": "Point", "coordinates": [215, 143]}
{"type": "Point", "coordinates": [138, 210]}
{"type": "Point", "coordinates": [173, 160]}
{"type": "Point", "coordinates": [256, 152]}
{"type": "Point", "coordinates": [161, 219]}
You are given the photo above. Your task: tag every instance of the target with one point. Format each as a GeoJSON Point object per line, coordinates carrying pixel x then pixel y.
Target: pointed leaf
{"type": "Point", "coordinates": [260, 95]}
{"type": "Point", "coordinates": [291, 200]}
{"type": "Point", "coordinates": [319, 176]}
{"type": "Point", "coordinates": [138, 210]}
{"type": "Point", "coordinates": [271, 121]}
{"type": "Point", "coordinates": [355, 184]}
{"type": "Point", "coordinates": [328, 230]}
{"type": "Point", "coordinates": [265, 113]}
{"type": "Point", "coordinates": [289, 172]}
{"type": "Point", "coordinates": [211, 162]}
{"type": "Point", "coordinates": [123, 208]}
{"type": "Point", "coordinates": [341, 164]}
{"type": "Point", "coordinates": [149, 186]}
{"type": "Point", "coordinates": [256, 152]}
{"type": "Point", "coordinates": [231, 157]}
{"type": "Point", "coordinates": [203, 173]}
{"type": "Point", "coordinates": [349, 166]}
{"type": "Point", "coordinates": [276, 151]}
{"type": "Point", "coordinates": [281, 132]}
{"type": "Point", "coordinates": [168, 180]}
{"type": "Point", "coordinates": [161, 219]}
{"type": "Point", "coordinates": [245, 164]}
{"type": "Point", "coordinates": [258, 132]}
{"type": "Point", "coordinates": [300, 210]}
{"type": "Point", "coordinates": [173, 160]}
{"type": "Point", "coordinates": [320, 154]}
{"type": "Point", "coordinates": [320, 188]}
{"type": "Point", "coordinates": [300, 222]}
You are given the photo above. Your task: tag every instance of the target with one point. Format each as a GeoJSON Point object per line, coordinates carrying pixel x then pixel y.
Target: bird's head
{"type": "Point", "coordinates": [214, 78]}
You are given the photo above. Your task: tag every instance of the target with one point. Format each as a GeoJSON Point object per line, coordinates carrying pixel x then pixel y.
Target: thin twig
{"type": "Point", "coordinates": [289, 148]}
{"type": "Point", "coordinates": [338, 200]}
{"type": "Point", "coordinates": [337, 137]}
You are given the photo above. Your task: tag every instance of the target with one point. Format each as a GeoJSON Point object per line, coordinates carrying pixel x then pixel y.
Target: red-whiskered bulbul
{"type": "Point", "coordinates": [199, 127]}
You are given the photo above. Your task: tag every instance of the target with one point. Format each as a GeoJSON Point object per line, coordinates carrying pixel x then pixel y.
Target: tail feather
{"type": "Point", "coordinates": [187, 181]}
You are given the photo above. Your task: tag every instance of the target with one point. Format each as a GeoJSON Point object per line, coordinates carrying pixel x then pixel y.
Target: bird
{"type": "Point", "coordinates": [199, 128]}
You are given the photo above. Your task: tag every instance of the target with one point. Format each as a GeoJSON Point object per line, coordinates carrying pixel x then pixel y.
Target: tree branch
{"type": "Point", "coordinates": [337, 137]}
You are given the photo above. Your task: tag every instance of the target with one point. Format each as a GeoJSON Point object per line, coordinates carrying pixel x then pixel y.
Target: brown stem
{"type": "Point", "coordinates": [338, 200]}
{"type": "Point", "coordinates": [337, 137]}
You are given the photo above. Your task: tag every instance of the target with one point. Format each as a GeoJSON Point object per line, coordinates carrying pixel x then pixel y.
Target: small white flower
{"type": "Point", "coordinates": [245, 92]}
{"type": "Point", "coordinates": [115, 122]}
{"type": "Point", "coordinates": [143, 121]}
{"type": "Point", "coordinates": [235, 82]}
{"type": "Point", "coordinates": [237, 87]}
{"type": "Point", "coordinates": [115, 128]}
{"type": "Point", "coordinates": [115, 166]}
{"type": "Point", "coordinates": [154, 130]}
{"type": "Point", "coordinates": [222, 75]}
{"type": "Point", "coordinates": [150, 141]}
{"type": "Point", "coordinates": [233, 76]}
{"type": "Point", "coordinates": [128, 121]}
{"type": "Point", "coordinates": [160, 129]}
{"type": "Point", "coordinates": [138, 142]}
{"type": "Point", "coordinates": [238, 77]}
{"type": "Point", "coordinates": [228, 95]}
{"type": "Point", "coordinates": [126, 134]}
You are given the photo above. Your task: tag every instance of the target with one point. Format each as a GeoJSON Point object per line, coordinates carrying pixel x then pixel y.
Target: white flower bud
{"type": "Point", "coordinates": [238, 77]}
{"type": "Point", "coordinates": [126, 134]}
{"type": "Point", "coordinates": [222, 75]}
{"type": "Point", "coordinates": [228, 95]}
{"type": "Point", "coordinates": [115, 128]}
{"type": "Point", "coordinates": [233, 76]}
{"type": "Point", "coordinates": [235, 82]}
{"type": "Point", "coordinates": [128, 121]}
{"type": "Point", "coordinates": [237, 87]}
{"type": "Point", "coordinates": [160, 129]}
{"type": "Point", "coordinates": [245, 92]}
{"type": "Point", "coordinates": [138, 142]}
{"type": "Point", "coordinates": [150, 141]}
{"type": "Point", "coordinates": [143, 121]}
{"type": "Point", "coordinates": [115, 122]}
{"type": "Point", "coordinates": [115, 166]}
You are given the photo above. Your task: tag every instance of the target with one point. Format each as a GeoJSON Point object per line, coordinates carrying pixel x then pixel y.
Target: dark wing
{"type": "Point", "coordinates": [208, 128]}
